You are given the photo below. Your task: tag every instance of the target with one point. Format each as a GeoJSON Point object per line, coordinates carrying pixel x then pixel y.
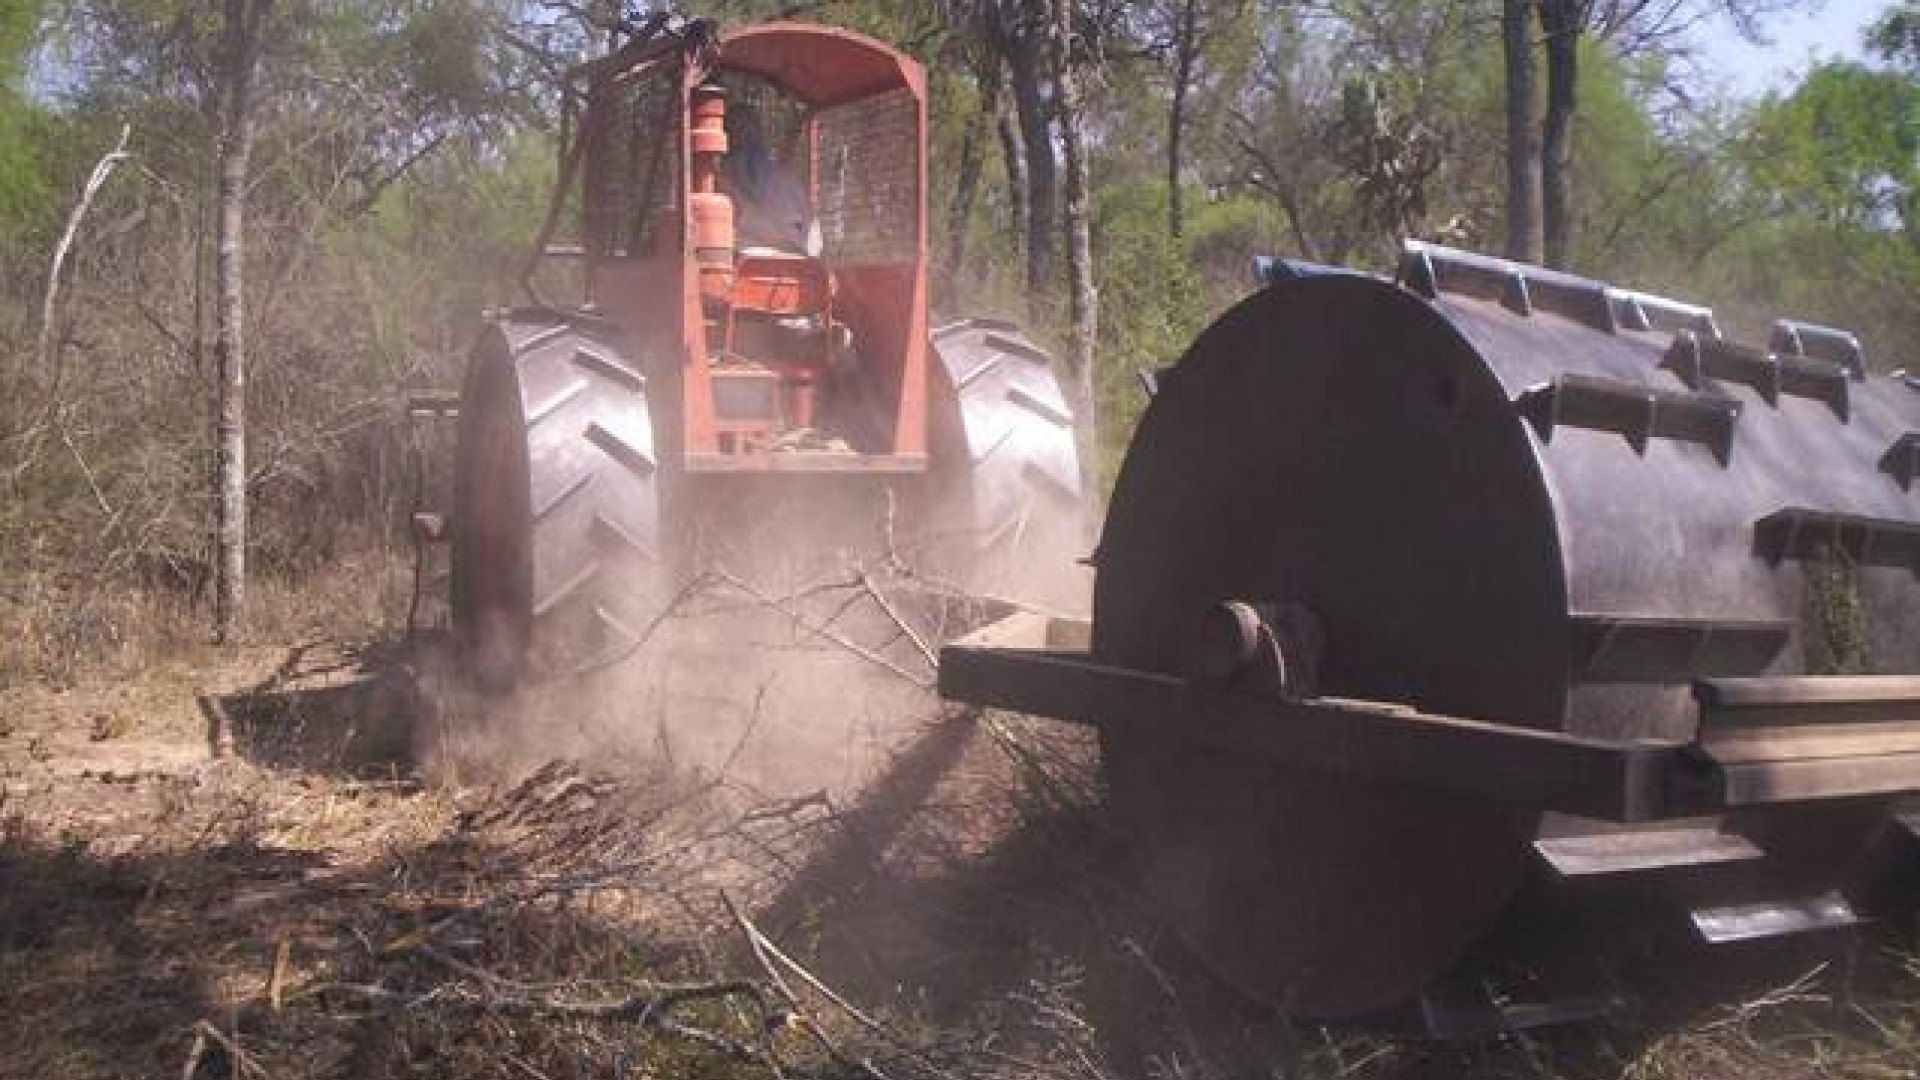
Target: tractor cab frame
{"type": "Point", "coordinates": [747, 381]}
{"type": "Point", "coordinates": [803, 350]}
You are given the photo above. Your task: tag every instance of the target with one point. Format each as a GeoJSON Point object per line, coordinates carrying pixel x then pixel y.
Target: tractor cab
{"type": "Point", "coordinates": [745, 377]}
{"type": "Point", "coordinates": [753, 212]}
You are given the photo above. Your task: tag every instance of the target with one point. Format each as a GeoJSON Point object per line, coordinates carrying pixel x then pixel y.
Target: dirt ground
{"type": "Point", "coordinates": [330, 897]}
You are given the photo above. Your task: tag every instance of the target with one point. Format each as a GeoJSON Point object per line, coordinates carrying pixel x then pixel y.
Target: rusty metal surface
{"type": "Point", "coordinates": [1818, 692]}
{"type": "Point", "coordinates": [1331, 442]}
{"type": "Point", "coordinates": [1783, 739]}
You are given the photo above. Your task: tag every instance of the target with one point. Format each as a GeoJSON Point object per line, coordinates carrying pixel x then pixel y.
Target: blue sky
{"type": "Point", "coordinates": [1834, 30]}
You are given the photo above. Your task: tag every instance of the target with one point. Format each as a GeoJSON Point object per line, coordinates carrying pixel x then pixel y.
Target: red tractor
{"type": "Point", "coordinates": [752, 379]}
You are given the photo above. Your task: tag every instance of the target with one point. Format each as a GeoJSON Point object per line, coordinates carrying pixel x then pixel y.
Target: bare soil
{"type": "Point", "coordinates": [328, 899]}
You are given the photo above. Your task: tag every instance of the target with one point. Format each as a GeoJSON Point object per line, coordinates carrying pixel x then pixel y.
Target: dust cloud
{"type": "Point", "coordinates": [791, 655]}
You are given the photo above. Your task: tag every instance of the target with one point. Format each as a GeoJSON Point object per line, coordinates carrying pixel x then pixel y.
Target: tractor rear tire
{"type": "Point", "coordinates": [556, 529]}
{"type": "Point", "coordinates": [1007, 470]}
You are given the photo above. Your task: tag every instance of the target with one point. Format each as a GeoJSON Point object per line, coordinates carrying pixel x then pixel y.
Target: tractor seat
{"type": "Point", "coordinates": [780, 315]}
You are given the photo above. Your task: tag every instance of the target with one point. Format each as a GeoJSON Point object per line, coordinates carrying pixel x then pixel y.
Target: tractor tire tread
{"type": "Point", "coordinates": [592, 532]}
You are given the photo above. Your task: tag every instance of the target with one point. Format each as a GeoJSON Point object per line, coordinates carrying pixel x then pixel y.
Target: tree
{"type": "Point", "coordinates": [1560, 24]}
{"type": "Point", "coordinates": [982, 126]}
{"type": "Point", "coordinates": [1023, 31]}
{"type": "Point", "coordinates": [1376, 125]}
{"type": "Point", "coordinates": [1186, 34]}
{"type": "Point", "coordinates": [1843, 149]}
{"type": "Point", "coordinates": [1083, 299]}
{"type": "Point", "coordinates": [309, 111]}
{"type": "Point", "coordinates": [1895, 35]}
{"type": "Point", "coordinates": [1523, 136]}
{"type": "Point", "coordinates": [1630, 26]}
{"type": "Point", "coordinates": [243, 23]}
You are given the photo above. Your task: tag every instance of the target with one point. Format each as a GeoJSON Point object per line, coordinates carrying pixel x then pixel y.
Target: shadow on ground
{"type": "Point", "coordinates": [351, 712]}
{"type": "Point", "coordinates": [1045, 927]}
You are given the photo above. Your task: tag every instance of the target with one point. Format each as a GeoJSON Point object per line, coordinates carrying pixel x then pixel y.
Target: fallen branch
{"type": "Point", "coordinates": [102, 169]}
{"type": "Point", "coordinates": [887, 608]}
{"type": "Point", "coordinates": [46, 350]}
{"type": "Point", "coordinates": [797, 1014]}
{"type": "Point", "coordinates": [636, 641]}
{"type": "Point", "coordinates": [765, 949]}
{"type": "Point", "coordinates": [204, 1032]}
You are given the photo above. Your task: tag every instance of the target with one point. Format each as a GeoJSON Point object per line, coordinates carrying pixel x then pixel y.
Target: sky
{"type": "Point", "coordinates": [1834, 30]}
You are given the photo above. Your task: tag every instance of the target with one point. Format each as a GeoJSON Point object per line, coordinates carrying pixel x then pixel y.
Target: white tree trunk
{"type": "Point", "coordinates": [1082, 296]}
{"type": "Point", "coordinates": [240, 57]}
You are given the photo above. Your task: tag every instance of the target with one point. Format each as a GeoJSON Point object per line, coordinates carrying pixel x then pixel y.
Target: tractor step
{"type": "Point", "coordinates": [1638, 851]}
{"type": "Point", "coordinates": [1774, 918]}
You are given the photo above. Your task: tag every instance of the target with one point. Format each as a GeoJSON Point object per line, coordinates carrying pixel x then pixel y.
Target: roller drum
{"type": "Point", "coordinates": [1508, 495]}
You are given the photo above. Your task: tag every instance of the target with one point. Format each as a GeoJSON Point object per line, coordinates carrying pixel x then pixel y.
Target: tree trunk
{"type": "Point", "coordinates": [1024, 61]}
{"type": "Point", "coordinates": [1082, 296]}
{"type": "Point", "coordinates": [966, 184]}
{"type": "Point", "coordinates": [1186, 47]}
{"type": "Point", "coordinates": [1015, 158]}
{"type": "Point", "coordinates": [1523, 134]}
{"type": "Point", "coordinates": [1560, 21]}
{"type": "Point", "coordinates": [240, 54]}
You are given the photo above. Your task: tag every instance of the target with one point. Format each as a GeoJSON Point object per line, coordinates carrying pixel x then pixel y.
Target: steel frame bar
{"type": "Point", "coordinates": [1623, 782]}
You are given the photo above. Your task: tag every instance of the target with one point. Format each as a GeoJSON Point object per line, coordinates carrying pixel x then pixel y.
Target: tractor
{"type": "Point", "coordinates": [751, 378]}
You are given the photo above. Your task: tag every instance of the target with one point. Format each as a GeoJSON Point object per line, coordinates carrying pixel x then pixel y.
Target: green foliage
{"type": "Point", "coordinates": [1895, 35]}
{"type": "Point", "coordinates": [1819, 184]}
{"type": "Point", "coordinates": [475, 207]}
{"type": "Point", "coordinates": [1834, 626]}
{"type": "Point", "coordinates": [1222, 239]}
{"type": "Point", "coordinates": [23, 184]}
{"type": "Point", "coordinates": [406, 148]}
{"type": "Point", "coordinates": [1151, 297]}
{"type": "Point", "coordinates": [1623, 167]}
{"type": "Point", "coordinates": [1843, 148]}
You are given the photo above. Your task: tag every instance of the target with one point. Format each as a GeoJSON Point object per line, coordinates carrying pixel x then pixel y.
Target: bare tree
{"type": "Point", "coordinates": [239, 58]}
{"type": "Point", "coordinates": [1014, 157]}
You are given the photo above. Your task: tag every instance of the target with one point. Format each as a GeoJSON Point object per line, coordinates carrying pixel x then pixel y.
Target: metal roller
{"type": "Point", "coordinates": [1566, 554]}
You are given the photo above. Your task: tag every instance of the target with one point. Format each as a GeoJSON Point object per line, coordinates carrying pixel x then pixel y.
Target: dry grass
{"type": "Point", "coordinates": [129, 619]}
